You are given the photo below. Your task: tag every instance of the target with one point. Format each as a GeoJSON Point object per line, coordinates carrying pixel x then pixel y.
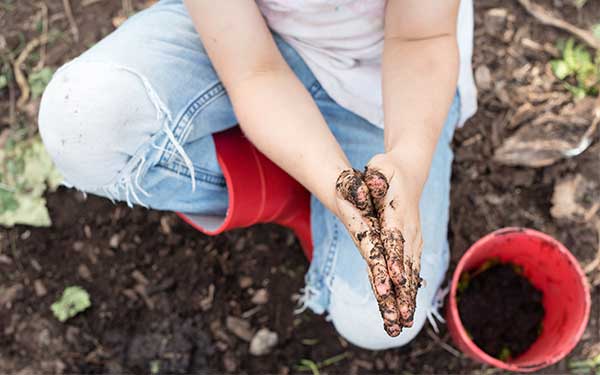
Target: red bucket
{"type": "Point", "coordinates": [551, 268]}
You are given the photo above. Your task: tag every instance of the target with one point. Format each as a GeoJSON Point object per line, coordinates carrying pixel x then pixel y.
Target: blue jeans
{"type": "Point", "coordinates": [131, 119]}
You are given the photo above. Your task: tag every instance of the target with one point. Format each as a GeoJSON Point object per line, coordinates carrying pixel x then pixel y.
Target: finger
{"type": "Point", "coordinates": [351, 187]}
{"type": "Point", "coordinates": [357, 213]}
{"type": "Point", "coordinates": [378, 187]}
{"type": "Point", "coordinates": [392, 238]}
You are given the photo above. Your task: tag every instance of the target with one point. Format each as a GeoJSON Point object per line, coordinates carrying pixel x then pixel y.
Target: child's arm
{"type": "Point", "coordinates": [279, 116]}
{"type": "Point", "coordinates": [274, 109]}
{"type": "Point", "coordinates": [420, 72]}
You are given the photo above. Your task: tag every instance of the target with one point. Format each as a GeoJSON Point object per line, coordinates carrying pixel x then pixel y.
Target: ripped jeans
{"type": "Point", "coordinates": [131, 119]}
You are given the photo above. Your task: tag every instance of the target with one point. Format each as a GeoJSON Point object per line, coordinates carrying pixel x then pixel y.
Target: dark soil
{"type": "Point", "coordinates": [501, 311]}
{"type": "Point", "coordinates": [163, 294]}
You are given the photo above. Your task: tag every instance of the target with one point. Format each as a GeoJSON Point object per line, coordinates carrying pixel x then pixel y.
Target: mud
{"type": "Point", "coordinates": [394, 278]}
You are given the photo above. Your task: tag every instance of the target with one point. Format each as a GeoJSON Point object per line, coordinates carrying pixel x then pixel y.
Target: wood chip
{"type": "Point", "coordinates": [240, 328]}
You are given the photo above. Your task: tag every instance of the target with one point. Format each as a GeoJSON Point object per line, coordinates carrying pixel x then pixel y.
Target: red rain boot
{"type": "Point", "coordinates": [259, 192]}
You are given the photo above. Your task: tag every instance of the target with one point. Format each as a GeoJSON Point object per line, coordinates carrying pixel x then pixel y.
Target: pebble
{"type": "Point", "coordinates": [230, 362]}
{"type": "Point", "coordinates": [245, 282]}
{"type": "Point", "coordinates": [263, 342]}
{"type": "Point", "coordinates": [483, 77]}
{"type": "Point", "coordinates": [114, 241]}
{"type": "Point", "coordinates": [7, 295]}
{"type": "Point", "coordinates": [260, 297]}
{"type": "Point", "coordinates": [84, 272]}
{"type": "Point", "coordinates": [40, 288]}
{"type": "Point", "coordinates": [494, 21]}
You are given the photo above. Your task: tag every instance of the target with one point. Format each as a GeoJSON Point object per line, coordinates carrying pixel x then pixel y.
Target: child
{"type": "Point", "coordinates": [132, 118]}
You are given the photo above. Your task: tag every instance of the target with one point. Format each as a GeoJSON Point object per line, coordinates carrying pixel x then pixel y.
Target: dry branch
{"type": "Point", "coordinates": [71, 19]}
{"type": "Point", "coordinates": [546, 18]}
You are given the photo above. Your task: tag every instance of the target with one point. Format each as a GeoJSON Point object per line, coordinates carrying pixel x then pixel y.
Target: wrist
{"type": "Point", "coordinates": [414, 164]}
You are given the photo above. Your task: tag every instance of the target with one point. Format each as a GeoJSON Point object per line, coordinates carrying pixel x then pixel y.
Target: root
{"type": "Point", "coordinates": [19, 76]}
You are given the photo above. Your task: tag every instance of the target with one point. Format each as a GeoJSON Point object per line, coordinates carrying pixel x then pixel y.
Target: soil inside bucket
{"type": "Point", "coordinates": [500, 309]}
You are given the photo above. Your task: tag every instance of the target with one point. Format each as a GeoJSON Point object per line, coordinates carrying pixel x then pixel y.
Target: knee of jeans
{"type": "Point", "coordinates": [355, 315]}
{"type": "Point", "coordinates": [93, 117]}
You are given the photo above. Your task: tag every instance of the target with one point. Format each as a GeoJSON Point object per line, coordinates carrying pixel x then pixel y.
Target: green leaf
{"type": "Point", "coordinates": [463, 282]}
{"type": "Point", "coordinates": [560, 69]}
{"type": "Point", "coordinates": [505, 354]}
{"type": "Point", "coordinates": [3, 81]}
{"type": "Point", "coordinates": [73, 301]}
{"type": "Point", "coordinates": [310, 365]}
{"type": "Point", "coordinates": [39, 80]}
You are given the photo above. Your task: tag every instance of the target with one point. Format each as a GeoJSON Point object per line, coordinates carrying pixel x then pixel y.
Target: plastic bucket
{"type": "Point", "coordinates": [551, 268]}
{"type": "Point", "coordinates": [259, 192]}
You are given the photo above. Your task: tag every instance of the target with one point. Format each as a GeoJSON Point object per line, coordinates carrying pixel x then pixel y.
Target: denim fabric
{"type": "Point", "coordinates": [131, 119]}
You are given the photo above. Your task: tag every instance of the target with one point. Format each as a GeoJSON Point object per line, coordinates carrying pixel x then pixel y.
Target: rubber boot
{"type": "Point", "coordinates": [259, 192]}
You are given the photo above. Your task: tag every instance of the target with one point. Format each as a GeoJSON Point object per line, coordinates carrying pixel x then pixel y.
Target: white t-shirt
{"type": "Point", "coordinates": [342, 43]}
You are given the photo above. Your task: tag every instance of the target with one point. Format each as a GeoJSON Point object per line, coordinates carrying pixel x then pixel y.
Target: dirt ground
{"type": "Point", "coordinates": [167, 299]}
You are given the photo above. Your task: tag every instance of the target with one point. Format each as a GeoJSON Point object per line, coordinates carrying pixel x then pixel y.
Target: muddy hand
{"type": "Point", "coordinates": [398, 213]}
{"type": "Point", "coordinates": [357, 212]}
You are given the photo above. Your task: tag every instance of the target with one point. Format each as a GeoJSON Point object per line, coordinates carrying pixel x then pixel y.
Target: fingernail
{"type": "Point", "coordinates": [393, 330]}
{"type": "Point", "coordinates": [406, 313]}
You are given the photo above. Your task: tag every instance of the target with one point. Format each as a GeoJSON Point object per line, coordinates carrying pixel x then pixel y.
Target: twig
{"type": "Point", "coordinates": [72, 23]}
{"type": "Point", "coordinates": [588, 136]}
{"type": "Point", "coordinates": [19, 76]}
{"type": "Point", "coordinates": [546, 18]}
{"type": "Point", "coordinates": [127, 8]}
{"type": "Point", "coordinates": [12, 104]}
{"type": "Point", "coordinates": [44, 12]}
{"type": "Point", "coordinates": [85, 3]}
{"type": "Point", "coordinates": [444, 345]}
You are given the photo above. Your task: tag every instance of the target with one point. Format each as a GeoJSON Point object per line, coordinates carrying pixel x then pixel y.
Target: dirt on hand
{"type": "Point", "coordinates": [381, 246]}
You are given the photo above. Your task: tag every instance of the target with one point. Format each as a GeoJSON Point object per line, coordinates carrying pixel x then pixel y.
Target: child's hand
{"type": "Point", "coordinates": [382, 215]}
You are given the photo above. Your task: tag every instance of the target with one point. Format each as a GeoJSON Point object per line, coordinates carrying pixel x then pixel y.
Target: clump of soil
{"type": "Point", "coordinates": [501, 310]}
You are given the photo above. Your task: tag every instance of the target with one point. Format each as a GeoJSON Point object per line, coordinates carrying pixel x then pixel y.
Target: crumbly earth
{"type": "Point", "coordinates": [501, 329]}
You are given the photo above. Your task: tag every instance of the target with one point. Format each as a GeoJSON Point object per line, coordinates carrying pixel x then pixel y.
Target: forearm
{"type": "Point", "coordinates": [272, 106]}
{"type": "Point", "coordinates": [279, 116]}
{"type": "Point", "coordinates": [419, 84]}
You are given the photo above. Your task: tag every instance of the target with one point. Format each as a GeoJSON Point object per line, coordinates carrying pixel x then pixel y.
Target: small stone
{"type": "Point", "coordinates": [230, 362]}
{"type": "Point", "coordinates": [262, 342]}
{"type": "Point", "coordinates": [40, 288]}
{"type": "Point", "coordinates": [78, 246]}
{"type": "Point", "coordinates": [114, 241]}
{"type": "Point", "coordinates": [483, 77]}
{"type": "Point", "coordinates": [5, 259]}
{"type": "Point", "coordinates": [260, 297]}
{"type": "Point", "coordinates": [239, 327]}
{"type": "Point", "coordinates": [165, 225]}
{"type": "Point", "coordinates": [8, 295]}
{"type": "Point", "coordinates": [245, 282]}
{"type": "Point", "coordinates": [35, 264]}
{"type": "Point", "coordinates": [494, 21]}
{"type": "Point", "coordinates": [84, 272]}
